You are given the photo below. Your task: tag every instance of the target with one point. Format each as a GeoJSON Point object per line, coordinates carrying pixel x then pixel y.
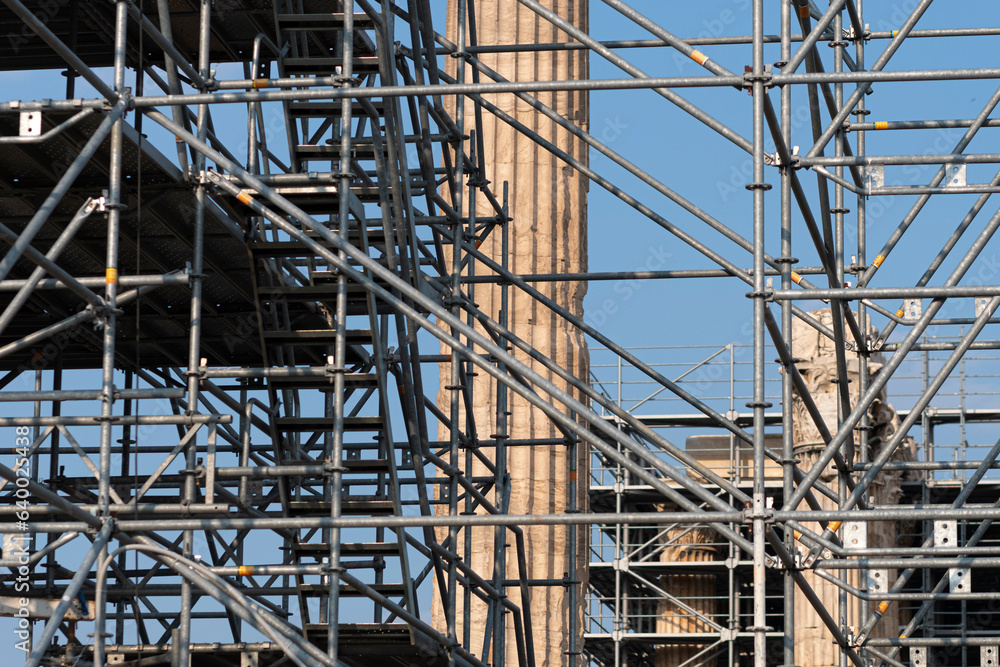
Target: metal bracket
{"type": "Point", "coordinates": [31, 124]}
{"type": "Point", "coordinates": [855, 535]}
{"type": "Point", "coordinates": [959, 580]}
{"type": "Point", "coordinates": [988, 656]}
{"type": "Point", "coordinates": [980, 303]}
{"type": "Point", "coordinates": [766, 514]}
{"type": "Point", "coordinates": [255, 487]}
{"type": "Point", "coordinates": [945, 534]}
{"type": "Point", "coordinates": [774, 160]}
{"type": "Point", "coordinates": [918, 656]}
{"type": "Point", "coordinates": [15, 549]}
{"type": "Point", "coordinates": [912, 309]}
{"type": "Point", "coordinates": [749, 79]}
{"type": "Point", "coordinates": [851, 36]}
{"type": "Point", "coordinates": [874, 176]}
{"type": "Point", "coordinates": [954, 175]}
{"type": "Point", "coordinates": [878, 581]}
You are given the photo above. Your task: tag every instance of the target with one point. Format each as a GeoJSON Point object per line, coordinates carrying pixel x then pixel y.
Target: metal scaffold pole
{"type": "Point", "coordinates": [386, 381]}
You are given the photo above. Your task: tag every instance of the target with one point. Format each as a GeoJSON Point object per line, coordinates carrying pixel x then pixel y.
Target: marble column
{"type": "Point", "coordinates": [548, 233]}
{"type": "Point", "coordinates": [698, 592]}
{"type": "Point", "coordinates": [814, 644]}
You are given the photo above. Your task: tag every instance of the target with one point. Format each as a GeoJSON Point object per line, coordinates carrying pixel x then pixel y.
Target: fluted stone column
{"type": "Point", "coordinates": [696, 591]}
{"type": "Point", "coordinates": [814, 644]}
{"type": "Point", "coordinates": [548, 234]}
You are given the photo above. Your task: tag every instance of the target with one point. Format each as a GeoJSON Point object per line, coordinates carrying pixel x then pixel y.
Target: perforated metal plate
{"type": "Point", "coordinates": [855, 535]}
{"type": "Point", "coordinates": [955, 176]}
{"type": "Point", "coordinates": [878, 581]}
{"type": "Point", "coordinates": [945, 534]}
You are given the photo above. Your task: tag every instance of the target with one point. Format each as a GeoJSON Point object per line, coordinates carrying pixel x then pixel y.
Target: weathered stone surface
{"type": "Point", "coordinates": [814, 643]}
{"type": "Point", "coordinates": [548, 234]}
{"type": "Point", "coordinates": [696, 595]}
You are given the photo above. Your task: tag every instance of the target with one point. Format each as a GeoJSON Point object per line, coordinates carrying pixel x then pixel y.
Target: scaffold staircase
{"type": "Point", "coordinates": [296, 297]}
{"type": "Point", "coordinates": [297, 290]}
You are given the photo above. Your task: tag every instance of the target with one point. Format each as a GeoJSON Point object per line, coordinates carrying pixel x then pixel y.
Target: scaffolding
{"type": "Point", "coordinates": [221, 355]}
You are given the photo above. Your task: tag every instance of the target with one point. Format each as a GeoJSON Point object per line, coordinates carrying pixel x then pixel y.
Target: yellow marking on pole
{"type": "Point", "coordinates": [796, 278]}
{"type": "Point", "coordinates": [895, 32]}
{"type": "Point", "coordinates": [834, 526]}
{"type": "Point", "coordinates": [111, 276]}
{"type": "Point", "coordinates": [899, 313]}
{"type": "Point", "coordinates": [261, 83]}
{"type": "Point", "coordinates": [882, 606]}
{"type": "Point", "coordinates": [246, 570]}
{"type": "Point", "coordinates": [797, 534]}
{"type": "Point", "coordinates": [244, 197]}
{"type": "Point", "coordinates": [698, 57]}
{"type": "Point", "coordinates": [881, 125]}
{"type": "Point", "coordinates": [878, 261]}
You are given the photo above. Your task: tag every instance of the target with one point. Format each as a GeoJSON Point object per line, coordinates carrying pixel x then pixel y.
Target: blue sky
{"type": "Point", "coordinates": [711, 172]}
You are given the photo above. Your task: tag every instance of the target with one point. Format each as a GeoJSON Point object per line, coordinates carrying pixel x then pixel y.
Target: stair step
{"type": "Point", "coordinates": [322, 292]}
{"type": "Point", "coordinates": [331, 21]}
{"type": "Point", "coordinates": [373, 232]}
{"type": "Point", "coordinates": [349, 549]}
{"type": "Point", "coordinates": [330, 108]}
{"type": "Point", "coordinates": [328, 193]}
{"type": "Point", "coordinates": [351, 380]}
{"type": "Point", "coordinates": [350, 505]}
{"type": "Point", "coordinates": [389, 590]}
{"type": "Point", "coordinates": [297, 249]}
{"type": "Point", "coordinates": [284, 249]}
{"type": "Point", "coordinates": [317, 337]}
{"type": "Point", "coordinates": [355, 466]}
{"type": "Point", "coordinates": [312, 424]}
{"type": "Point", "coordinates": [360, 151]}
{"type": "Point", "coordinates": [367, 466]}
{"type": "Point", "coordinates": [376, 638]}
{"type": "Point", "coordinates": [328, 66]}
